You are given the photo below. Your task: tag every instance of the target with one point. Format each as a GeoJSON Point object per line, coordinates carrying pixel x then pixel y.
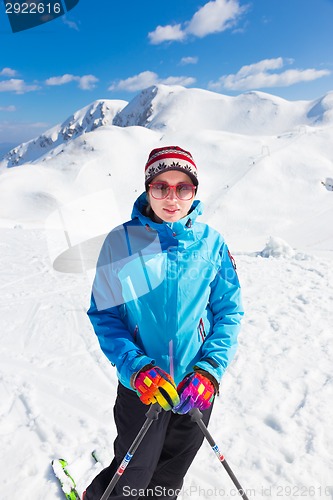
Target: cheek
{"type": "Point", "coordinates": [186, 206]}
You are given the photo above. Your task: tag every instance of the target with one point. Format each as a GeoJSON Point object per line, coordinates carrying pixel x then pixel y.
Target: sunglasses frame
{"type": "Point", "coordinates": [174, 187]}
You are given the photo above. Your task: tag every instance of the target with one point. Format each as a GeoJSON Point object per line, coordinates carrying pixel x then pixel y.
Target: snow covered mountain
{"type": "Point", "coordinates": [87, 119]}
{"type": "Point", "coordinates": [265, 164]}
{"type": "Point", "coordinates": [165, 108]}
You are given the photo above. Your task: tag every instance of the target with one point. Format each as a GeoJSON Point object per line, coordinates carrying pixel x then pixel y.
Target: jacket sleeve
{"type": "Point", "coordinates": [220, 345]}
{"type": "Point", "coordinates": [105, 314]}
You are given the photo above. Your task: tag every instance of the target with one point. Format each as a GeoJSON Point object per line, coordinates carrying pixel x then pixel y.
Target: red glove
{"type": "Point", "coordinates": [154, 385]}
{"type": "Point", "coordinates": [195, 391]}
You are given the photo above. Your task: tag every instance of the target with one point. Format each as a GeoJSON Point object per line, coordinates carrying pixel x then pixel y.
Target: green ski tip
{"type": "Point", "coordinates": [67, 483]}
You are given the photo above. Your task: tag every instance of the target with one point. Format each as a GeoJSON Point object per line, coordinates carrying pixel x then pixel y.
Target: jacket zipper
{"type": "Point", "coordinates": [201, 330]}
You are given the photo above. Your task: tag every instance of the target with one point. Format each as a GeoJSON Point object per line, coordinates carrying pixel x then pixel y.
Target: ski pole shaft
{"type": "Point", "coordinates": [152, 414]}
{"type": "Point", "coordinates": [196, 416]}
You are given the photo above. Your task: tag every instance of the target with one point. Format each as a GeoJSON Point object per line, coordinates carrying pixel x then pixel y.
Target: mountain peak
{"type": "Point", "coordinates": [321, 110]}
{"type": "Point", "coordinates": [97, 114]}
{"type": "Point", "coordinates": [142, 110]}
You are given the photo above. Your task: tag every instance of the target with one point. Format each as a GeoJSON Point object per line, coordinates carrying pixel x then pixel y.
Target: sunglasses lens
{"type": "Point", "coordinates": [184, 191]}
{"type": "Point", "coordinates": [159, 190]}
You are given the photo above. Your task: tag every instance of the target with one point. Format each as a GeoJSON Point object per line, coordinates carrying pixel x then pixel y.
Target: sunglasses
{"type": "Point", "coordinates": [183, 190]}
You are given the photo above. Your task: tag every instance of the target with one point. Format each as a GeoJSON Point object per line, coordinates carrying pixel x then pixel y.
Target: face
{"type": "Point", "coordinates": [171, 208]}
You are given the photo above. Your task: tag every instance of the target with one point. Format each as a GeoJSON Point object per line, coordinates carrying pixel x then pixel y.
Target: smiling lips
{"type": "Point", "coordinates": [171, 211]}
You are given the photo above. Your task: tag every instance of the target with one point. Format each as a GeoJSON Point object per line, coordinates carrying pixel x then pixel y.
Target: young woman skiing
{"type": "Point", "coordinates": [166, 309]}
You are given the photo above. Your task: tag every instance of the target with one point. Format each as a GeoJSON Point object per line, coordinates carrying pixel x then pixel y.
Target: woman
{"type": "Point", "coordinates": [166, 309]}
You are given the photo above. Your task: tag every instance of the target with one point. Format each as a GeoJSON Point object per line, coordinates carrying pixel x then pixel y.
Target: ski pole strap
{"type": "Point", "coordinates": [152, 414]}
{"type": "Point", "coordinates": [196, 416]}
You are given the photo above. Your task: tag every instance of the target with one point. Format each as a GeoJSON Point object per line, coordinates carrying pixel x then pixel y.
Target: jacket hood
{"type": "Point", "coordinates": [139, 209]}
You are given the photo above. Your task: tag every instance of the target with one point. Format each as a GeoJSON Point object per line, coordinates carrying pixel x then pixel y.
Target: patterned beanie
{"type": "Point", "coordinates": [170, 158]}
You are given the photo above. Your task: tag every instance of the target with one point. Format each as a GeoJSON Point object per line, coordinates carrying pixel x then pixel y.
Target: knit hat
{"type": "Point", "coordinates": [170, 158]}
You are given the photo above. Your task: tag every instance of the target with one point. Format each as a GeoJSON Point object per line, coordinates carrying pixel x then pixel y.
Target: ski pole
{"type": "Point", "coordinates": [196, 416]}
{"type": "Point", "coordinates": [152, 414]}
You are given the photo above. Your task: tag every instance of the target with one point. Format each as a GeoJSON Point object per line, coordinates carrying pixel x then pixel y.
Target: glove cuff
{"type": "Point", "coordinates": [209, 377]}
{"type": "Point", "coordinates": [135, 375]}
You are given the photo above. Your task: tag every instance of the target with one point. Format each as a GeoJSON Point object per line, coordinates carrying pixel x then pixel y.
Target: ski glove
{"type": "Point", "coordinates": [154, 385]}
{"type": "Point", "coordinates": [195, 391]}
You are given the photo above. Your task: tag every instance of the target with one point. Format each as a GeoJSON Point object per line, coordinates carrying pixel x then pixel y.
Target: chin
{"type": "Point", "coordinates": [172, 218]}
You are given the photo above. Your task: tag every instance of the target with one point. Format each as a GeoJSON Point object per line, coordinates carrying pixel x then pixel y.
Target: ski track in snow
{"type": "Point", "coordinates": [272, 420]}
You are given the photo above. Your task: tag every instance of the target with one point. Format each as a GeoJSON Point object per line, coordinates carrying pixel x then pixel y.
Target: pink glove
{"type": "Point", "coordinates": [195, 391]}
{"type": "Point", "coordinates": [154, 385]}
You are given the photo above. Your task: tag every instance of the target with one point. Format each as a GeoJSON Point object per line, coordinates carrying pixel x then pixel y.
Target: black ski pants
{"type": "Point", "coordinates": [159, 465]}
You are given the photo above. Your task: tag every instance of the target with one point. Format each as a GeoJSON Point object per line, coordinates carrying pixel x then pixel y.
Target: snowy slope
{"type": "Point", "coordinates": [264, 169]}
{"type": "Point", "coordinates": [273, 417]}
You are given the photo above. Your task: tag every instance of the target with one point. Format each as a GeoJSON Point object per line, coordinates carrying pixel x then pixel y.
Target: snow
{"type": "Point", "coordinates": [266, 187]}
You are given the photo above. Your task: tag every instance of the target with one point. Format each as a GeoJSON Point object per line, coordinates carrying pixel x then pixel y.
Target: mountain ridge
{"type": "Point", "coordinates": [161, 107]}
{"type": "Point", "coordinates": [87, 119]}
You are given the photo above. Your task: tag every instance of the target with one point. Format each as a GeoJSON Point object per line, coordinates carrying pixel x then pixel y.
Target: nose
{"type": "Point", "coordinates": [172, 193]}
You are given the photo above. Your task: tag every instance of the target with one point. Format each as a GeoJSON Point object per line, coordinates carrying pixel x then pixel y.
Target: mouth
{"type": "Point", "coordinates": [171, 211]}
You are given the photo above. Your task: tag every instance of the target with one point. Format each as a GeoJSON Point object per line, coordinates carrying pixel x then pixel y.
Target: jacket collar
{"type": "Point", "coordinates": [176, 228]}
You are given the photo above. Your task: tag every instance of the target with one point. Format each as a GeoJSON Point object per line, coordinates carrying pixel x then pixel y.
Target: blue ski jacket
{"type": "Point", "coordinates": [167, 294]}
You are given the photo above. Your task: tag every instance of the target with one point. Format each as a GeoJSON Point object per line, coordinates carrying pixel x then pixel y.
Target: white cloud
{"type": "Point", "coordinates": [70, 24]}
{"type": "Point", "coordinates": [261, 75]}
{"type": "Point", "coordinates": [137, 82]}
{"type": "Point", "coordinates": [188, 60]}
{"type": "Point", "coordinates": [86, 82]}
{"type": "Point", "coordinates": [60, 80]}
{"type": "Point", "coordinates": [166, 33]}
{"type": "Point", "coordinates": [10, 108]}
{"type": "Point", "coordinates": [215, 16]}
{"type": "Point", "coordinates": [8, 72]}
{"type": "Point", "coordinates": [17, 86]}
{"type": "Point", "coordinates": [185, 81]}
{"type": "Point", "coordinates": [147, 79]}
{"type": "Point", "coordinates": [261, 66]}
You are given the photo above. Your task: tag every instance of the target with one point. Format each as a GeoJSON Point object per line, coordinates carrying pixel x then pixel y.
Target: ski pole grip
{"type": "Point", "coordinates": [153, 412]}
{"type": "Point", "coordinates": [195, 414]}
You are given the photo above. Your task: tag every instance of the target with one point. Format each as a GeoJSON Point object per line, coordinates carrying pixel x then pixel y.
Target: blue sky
{"type": "Point", "coordinates": [112, 50]}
